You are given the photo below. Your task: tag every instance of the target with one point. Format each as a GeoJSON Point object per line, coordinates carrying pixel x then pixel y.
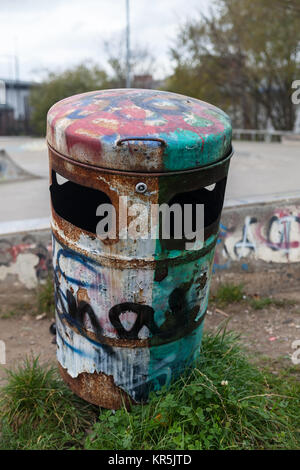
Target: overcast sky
{"type": "Point", "coordinates": [54, 34]}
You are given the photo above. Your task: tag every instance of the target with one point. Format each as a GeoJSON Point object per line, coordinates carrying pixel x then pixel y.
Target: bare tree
{"type": "Point", "coordinates": [142, 62]}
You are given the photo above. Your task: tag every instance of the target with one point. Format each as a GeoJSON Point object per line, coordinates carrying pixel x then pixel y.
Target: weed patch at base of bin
{"type": "Point", "coordinates": [39, 412]}
{"type": "Point", "coordinates": [225, 402]}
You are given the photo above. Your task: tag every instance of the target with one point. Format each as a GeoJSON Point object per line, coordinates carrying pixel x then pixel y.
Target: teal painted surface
{"type": "Point", "coordinates": [185, 150]}
{"type": "Point", "coordinates": [168, 361]}
{"type": "Point", "coordinates": [185, 291]}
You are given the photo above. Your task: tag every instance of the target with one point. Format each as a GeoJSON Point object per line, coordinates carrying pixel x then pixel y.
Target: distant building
{"type": "Point", "coordinates": [14, 106]}
{"type": "Point", "coordinates": [146, 81]}
{"type": "Point", "coordinates": [143, 81]}
{"type": "Point", "coordinates": [7, 120]}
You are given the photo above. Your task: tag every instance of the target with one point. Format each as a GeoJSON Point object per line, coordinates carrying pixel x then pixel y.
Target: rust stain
{"type": "Point", "coordinates": [201, 281]}
{"type": "Point", "coordinates": [133, 263]}
{"type": "Point", "coordinates": [82, 295]}
{"type": "Point", "coordinates": [113, 185]}
{"type": "Point", "coordinates": [63, 162]}
{"type": "Point", "coordinates": [70, 231]}
{"type": "Point", "coordinates": [98, 389]}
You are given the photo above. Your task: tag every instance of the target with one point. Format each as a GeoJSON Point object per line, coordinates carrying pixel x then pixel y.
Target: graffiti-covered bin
{"type": "Point", "coordinates": [130, 309]}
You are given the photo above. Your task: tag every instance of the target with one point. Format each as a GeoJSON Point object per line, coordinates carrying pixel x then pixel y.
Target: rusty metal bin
{"type": "Point", "coordinates": [129, 313]}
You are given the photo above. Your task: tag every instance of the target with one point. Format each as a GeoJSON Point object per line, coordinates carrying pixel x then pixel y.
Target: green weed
{"type": "Point", "coordinates": [45, 297]}
{"type": "Point", "coordinates": [224, 403]}
{"type": "Point", "coordinates": [229, 293]}
{"type": "Point", "coordinates": [39, 412]}
{"type": "Point", "coordinates": [263, 302]}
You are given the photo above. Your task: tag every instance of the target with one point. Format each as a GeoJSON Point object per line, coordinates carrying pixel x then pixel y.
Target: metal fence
{"type": "Point", "coordinates": [264, 135]}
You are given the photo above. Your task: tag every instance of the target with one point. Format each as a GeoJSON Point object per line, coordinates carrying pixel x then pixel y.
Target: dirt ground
{"type": "Point", "coordinates": [267, 334]}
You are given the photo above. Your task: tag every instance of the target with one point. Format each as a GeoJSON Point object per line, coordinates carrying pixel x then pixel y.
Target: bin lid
{"type": "Point", "coordinates": [139, 130]}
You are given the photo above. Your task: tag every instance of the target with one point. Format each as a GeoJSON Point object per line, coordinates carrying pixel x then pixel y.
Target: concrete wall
{"type": "Point", "coordinates": [254, 237]}
{"type": "Point", "coordinates": [257, 234]}
{"type": "Point", "coordinates": [25, 256]}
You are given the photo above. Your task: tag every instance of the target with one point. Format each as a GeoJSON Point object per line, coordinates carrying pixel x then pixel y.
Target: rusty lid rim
{"type": "Point", "coordinates": [140, 173]}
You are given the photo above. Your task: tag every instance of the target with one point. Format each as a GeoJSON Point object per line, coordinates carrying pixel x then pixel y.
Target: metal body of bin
{"type": "Point", "coordinates": [129, 313]}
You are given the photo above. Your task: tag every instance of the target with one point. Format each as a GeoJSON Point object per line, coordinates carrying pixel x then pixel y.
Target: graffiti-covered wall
{"type": "Point", "coordinates": [25, 258]}
{"type": "Point", "coordinates": [251, 236]}
{"type": "Point", "coordinates": [261, 233]}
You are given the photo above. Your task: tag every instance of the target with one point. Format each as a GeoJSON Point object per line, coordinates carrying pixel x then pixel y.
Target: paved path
{"type": "Point", "coordinates": [262, 171]}
{"type": "Point", "coordinates": [27, 199]}
{"type": "Point", "coordinates": [259, 171]}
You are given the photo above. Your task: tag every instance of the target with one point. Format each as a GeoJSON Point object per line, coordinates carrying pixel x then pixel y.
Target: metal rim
{"type": "Point", "coordinates": [138, 173]}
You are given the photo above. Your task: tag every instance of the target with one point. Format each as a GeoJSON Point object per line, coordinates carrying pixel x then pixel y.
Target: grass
{"type": "Point", "coordinates": [228, 293]}
{"type": "Point", "coordinates": [224, 403]}
{"type": "Point", "coordinates": [39, 412]}
{"type": "Point", "coordinates": [43, 303]}
{"type": "Point", "coordinates": [19, 309]}
{"type": "Point", "coordinates": [45, 297]}
{"type": "Point", "coordinates": [9, 314]}
{"type": "Point", "coordinates": [263, 302]}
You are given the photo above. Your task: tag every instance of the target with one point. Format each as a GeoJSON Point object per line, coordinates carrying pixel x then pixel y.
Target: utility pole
{"type": "Point", "coordinates": [2, 92]}
{"type": "Point", "coordinates": [17, 68]}
{"type": "Point", "coordinates": [17, 77]}
{"type": "Point", "coordinates": [128, 77]}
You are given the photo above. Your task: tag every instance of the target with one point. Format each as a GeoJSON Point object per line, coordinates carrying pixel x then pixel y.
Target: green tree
{"type": "Point", "coordinates": [56, 86]}
{"type": "Point", "coordinates": [242, 56]}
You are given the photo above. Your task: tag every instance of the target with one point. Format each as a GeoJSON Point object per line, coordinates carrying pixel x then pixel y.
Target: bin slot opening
{"type": "Point", "coordinates": [211, 196]}
{"type": "Point", "coordinates": [77, 204]}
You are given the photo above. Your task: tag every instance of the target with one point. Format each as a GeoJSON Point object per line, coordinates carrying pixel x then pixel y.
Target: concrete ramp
{"type": "Point", "coordinates": [10, 171]}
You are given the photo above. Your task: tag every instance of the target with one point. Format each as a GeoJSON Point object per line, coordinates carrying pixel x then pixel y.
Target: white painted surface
{"type": "Point", "coordinates": [23, 268]}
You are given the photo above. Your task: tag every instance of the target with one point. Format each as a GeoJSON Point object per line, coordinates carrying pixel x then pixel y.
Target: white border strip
{"type": "Point", "coordinates": [27, 225]}
{"type": "Point", "coordinates": [261, 199]}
